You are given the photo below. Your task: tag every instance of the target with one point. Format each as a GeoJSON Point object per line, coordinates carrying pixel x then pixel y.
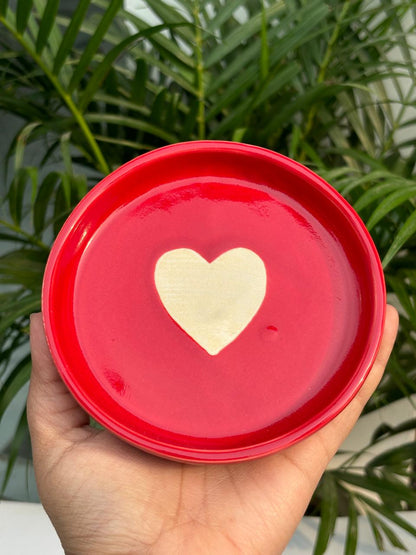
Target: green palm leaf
{"type": "Point", "coordinates": [242, 33]}
{"type": "Point", "coordinates": [329, 511]}
{"type": "Point", "coordinates": [21, 433]}
{"type": "Point", "coordinates": [392, 201]}
{"type": "Point", "coordinates": [70, 35]}
{"type": "Point", "coordinates": [352, 529]}
{"type": "Point", "coordinates": [94, 43]}
{"type": "Point", "coordinates": [407, 230]}
{"type": "Point", "coordinates": [23, 10]}
{"type": "Point", "coordinates": [46, 24]}
{"type": "Point", "coordinates": [17, 378]}
{"type": "Point", "coordinates": [3, 7]}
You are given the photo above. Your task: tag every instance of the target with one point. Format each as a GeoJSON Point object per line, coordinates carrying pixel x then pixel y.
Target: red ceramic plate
{"type": "Point", "coordinates": [299, 360]}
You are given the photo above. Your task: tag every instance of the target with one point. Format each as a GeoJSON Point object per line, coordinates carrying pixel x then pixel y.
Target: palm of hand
{"type": "Point", "coordinates": [104, 496]}
{"type": "Point", "coordinates": [119, 500]}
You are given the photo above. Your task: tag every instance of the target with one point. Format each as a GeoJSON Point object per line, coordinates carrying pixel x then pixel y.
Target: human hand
{"type": "Point", "coordinates": [106, 497]}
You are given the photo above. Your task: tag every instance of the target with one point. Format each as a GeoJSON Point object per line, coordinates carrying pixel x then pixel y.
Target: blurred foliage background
{"type": "Point", "coordinates": [328, 83]}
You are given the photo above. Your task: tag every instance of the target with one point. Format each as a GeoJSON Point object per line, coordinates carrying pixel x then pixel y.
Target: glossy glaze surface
{"type": "Point", "coordinates": [296, 364]}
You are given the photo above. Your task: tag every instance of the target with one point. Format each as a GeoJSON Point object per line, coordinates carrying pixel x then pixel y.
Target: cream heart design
{"type": "Point", "coordinates": [212, 302]}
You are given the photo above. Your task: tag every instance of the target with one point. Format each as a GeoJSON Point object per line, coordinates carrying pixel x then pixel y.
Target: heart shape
{"type": "Point", "coordinates": [212, 302]}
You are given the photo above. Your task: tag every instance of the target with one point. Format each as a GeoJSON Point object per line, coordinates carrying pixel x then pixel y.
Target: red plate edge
{"type": "Point", "coordinates": [253, 451]}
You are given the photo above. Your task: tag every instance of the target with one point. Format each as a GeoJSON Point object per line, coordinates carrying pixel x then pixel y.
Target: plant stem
{"type": "Point", "coordinates": [101, 162]}
{"type": "Point", "coordinates": [199, 73]}
{"type": "Point", "coordinates": [28, 236]}
{"type": "Point", "coordinates": [322, 72]}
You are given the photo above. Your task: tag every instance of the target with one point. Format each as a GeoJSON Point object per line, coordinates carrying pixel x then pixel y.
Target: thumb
{"type": "Point", "coordinates": [323, 445]}
{"type": "Point", "coordinates": [53, 414]}
{"type": "Point", "coordinates": [335, 432]}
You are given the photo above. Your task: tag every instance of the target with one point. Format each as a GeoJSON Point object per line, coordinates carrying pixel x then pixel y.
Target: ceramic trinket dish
{"type": "Point", "coordinates": [213, 302]}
